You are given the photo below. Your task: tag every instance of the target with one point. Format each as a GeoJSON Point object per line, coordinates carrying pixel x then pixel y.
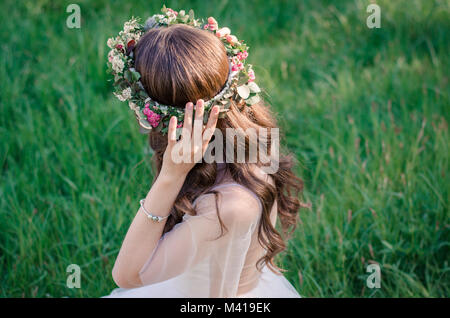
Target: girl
{"type": "Point", "coordinates": [204, 229]}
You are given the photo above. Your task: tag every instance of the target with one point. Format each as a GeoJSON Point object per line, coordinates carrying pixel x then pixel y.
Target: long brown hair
{"type": "Point", "coordinates": [179, 64]}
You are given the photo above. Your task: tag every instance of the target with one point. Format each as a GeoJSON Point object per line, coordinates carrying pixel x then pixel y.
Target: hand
{"type": "Point", "coordinates": [180, 157]}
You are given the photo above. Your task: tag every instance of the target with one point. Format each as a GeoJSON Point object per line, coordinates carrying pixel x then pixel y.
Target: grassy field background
{"type": "Point", "coordinates": [365, 111]}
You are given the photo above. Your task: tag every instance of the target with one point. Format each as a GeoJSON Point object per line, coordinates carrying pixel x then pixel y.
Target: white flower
{"type": "Point", "coordinates": [111, 43]}
{"type": "Point", "coordinates": [129, 26]}
{"type": "Point", "coordinates": [223, 32]}
{"type": "Point", "coordinates": [171, 17]}
{"type": "Point", "coordinates": [120, 97]}
{"type": "Point", "coordinates": [231, 39]}
{"type": "Point", "coordinates": [117, 64]}
{"type": "Point", "coordinates": [111, 55]}
{"type": "Point", "coordinates": [125, 95]}
{"type": "Point", "coordinates": [132, 105]}
{"type": "Point", "coordinates": [136, 36]}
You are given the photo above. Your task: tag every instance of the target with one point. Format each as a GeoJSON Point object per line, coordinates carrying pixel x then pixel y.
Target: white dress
{"type": "Point", "coordinates": [190, 262]}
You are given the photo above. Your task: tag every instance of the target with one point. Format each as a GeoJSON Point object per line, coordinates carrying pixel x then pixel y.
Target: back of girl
{"type": "Point", "coordinates": [208, 225]}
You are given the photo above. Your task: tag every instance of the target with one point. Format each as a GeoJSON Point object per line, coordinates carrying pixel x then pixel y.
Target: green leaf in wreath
{"type": "Point", "coordinates": [191, 14]}
{"type": "Point", "coordinates": [119, 81]}
{"type": "Point", "coordinates": [122, 86]}
{"type": "Point", "coordinates": [162, 128]}
{"type": "Point", "coordinates": [253, 100]}
{"type": "Point", "coordinates": [159, 127]}
{"type": "Point", "coordinates": [205, 117]}
{"type": "Point", "coordinates": [135, 76]}
{"type": "Point", "coordinates": [128, 76]}
{"type": "Point", "coordinates": [143, 94]}
{"type": "Point", "coordinates": [179, 130]}
{"type": "Point", "coordinates": [242, 80]}
{"type": "Point", "coordinates": [226, 105]}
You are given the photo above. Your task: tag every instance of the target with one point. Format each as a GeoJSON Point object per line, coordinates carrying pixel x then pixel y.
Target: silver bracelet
{"type": "Point", "coordinates": [150, 216]}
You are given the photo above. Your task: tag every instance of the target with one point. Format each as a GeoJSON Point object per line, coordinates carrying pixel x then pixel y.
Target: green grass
{"type": "Point", "coordinates": [365, 111]}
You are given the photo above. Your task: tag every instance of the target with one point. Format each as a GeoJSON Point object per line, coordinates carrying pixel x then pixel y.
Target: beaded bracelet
{"type": "Point", "coordinates": [150, 216]}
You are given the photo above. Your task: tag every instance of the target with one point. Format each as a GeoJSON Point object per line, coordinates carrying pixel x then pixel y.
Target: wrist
{"type": "Point", "coordinates": [171, 179]}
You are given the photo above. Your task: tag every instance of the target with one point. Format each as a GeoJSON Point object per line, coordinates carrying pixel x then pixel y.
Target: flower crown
{"type": "Point", "coordinates": [150, 114]}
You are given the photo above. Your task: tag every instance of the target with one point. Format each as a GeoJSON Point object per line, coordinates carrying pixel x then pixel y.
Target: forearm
{"type": "Point", "coordinates": [143, 234]}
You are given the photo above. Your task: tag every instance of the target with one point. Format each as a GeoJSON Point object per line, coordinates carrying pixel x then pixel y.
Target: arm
{"type": "Point", "coordinates": [143, 234]}
{"type": "Point", "coordinates": [200, 236]}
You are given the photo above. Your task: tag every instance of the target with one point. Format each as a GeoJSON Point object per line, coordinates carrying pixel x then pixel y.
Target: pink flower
{"type": "Point", "coordinates": [223, 32]}
{"type": "Point", "coordinates": [212, 24]}
{"type": "Point", "coordinates": [235, 60]}
{"type": "Point", "coordinates": [206, 26]}
{"type": "Point", "coordinates": [180, 125]}
{"type": "Point", "coordinates": [242, 55]}
{"type": "Point", "coordinates": [119, 46]}
{"type": "Point", "coordinates": [240, 66]}
{"type": "Point", "coordinates": [172, 11]}
{"type": "Point", "coordinates": [211, 20]}
{"type": "Point", "coordinates": [251, 76]}
{"type": "Point", "coordinates": [231, 39]}
{"type": "Point", "coordinates": [234, 68]}
{"type": "Point", "coordinates": [152, 117]}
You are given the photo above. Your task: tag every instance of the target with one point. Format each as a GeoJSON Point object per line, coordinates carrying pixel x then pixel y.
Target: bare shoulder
{"type": "Point", "coordinates": [235, 202]}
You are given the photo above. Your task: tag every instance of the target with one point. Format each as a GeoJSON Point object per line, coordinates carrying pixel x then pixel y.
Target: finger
{"type": "Point", "coordinates": [211, 125]}
{"type": "Point", "coordinates": [198, 121]}
{"type": "Point", "coordinates": [197, 143]}
{"type": "Point", "coordinates": [172, 132]}
{"type": "Point", "coordinates": [187, 123]}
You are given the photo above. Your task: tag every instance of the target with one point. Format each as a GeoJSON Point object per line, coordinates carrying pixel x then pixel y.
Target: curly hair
{"type": "Point", "coordinates": [179, 64]}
